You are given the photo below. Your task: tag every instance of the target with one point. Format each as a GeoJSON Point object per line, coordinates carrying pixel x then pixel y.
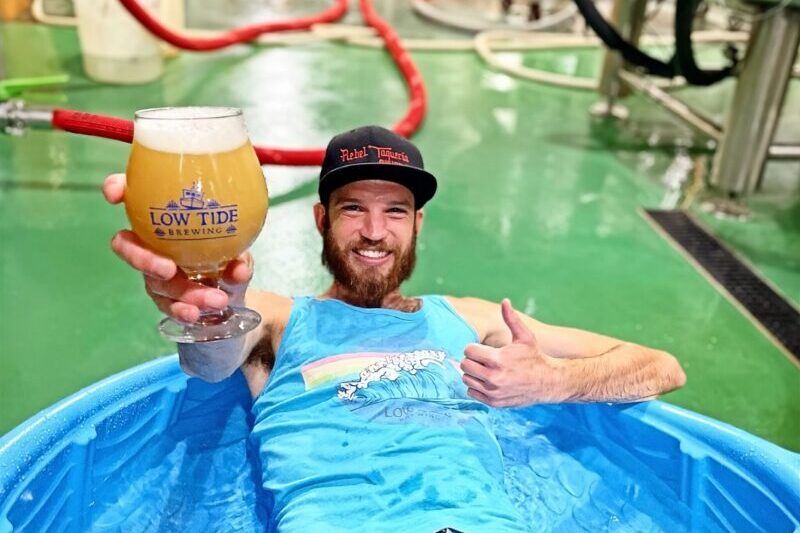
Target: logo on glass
{"type": "Point", "coordinates": [193, 218]}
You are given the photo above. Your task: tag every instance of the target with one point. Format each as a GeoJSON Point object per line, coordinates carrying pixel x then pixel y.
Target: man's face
{"type": "Point", "coordinates": [369, 238]}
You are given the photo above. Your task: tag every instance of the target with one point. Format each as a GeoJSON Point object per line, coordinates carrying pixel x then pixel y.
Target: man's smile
{"type": "Point", "coordinates": [372, 257]}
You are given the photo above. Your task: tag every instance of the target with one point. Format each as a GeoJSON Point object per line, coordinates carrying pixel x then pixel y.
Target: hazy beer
{"type": "Point", "coordinates": [200, 210]}
{"type": "Point", "coordinates": [195, 190]}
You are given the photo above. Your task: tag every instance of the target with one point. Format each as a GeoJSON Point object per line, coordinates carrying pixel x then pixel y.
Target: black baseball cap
{"type": "Point", "coordinates": [374, 153]}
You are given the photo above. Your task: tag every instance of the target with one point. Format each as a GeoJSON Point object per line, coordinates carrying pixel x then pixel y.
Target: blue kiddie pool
{"type": "Point", "coordinates": [150, 449]}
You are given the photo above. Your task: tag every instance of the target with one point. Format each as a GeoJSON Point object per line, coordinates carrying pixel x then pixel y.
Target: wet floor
{"type": "Point", "coordinates": [537, 202]}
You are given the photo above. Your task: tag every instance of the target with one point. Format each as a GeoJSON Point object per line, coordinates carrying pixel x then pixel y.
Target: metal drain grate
{"type": "Point", "coordinates": [769, 308]}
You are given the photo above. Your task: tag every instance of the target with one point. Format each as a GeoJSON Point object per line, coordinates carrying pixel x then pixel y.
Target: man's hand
{"type": "Point", "coordinates": [173, 293]}
{"type": "Point", "coordinates": [516, 374]}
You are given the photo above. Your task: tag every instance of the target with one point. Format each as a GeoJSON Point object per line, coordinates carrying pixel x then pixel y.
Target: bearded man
{"type": "Point", "coordinates": [371, 407]}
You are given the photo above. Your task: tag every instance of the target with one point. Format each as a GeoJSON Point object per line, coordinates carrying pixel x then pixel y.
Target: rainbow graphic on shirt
{"type": "Point", "coordinates": [338, 367]}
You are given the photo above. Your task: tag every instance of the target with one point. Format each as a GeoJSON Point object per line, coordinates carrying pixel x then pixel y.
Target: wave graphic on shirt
{"type": "Point", "coordinates": [399, 375]}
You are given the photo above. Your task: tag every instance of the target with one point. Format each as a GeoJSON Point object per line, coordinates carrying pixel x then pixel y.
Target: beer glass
{"type": "Point", "coordinates": [195, 193]}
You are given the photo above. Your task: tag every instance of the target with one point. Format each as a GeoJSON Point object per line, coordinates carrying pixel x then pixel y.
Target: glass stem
{"type": "Point", "coordinates": [211, 317]}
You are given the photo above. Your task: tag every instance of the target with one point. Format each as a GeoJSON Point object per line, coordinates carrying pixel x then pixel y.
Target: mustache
{"type": "Point", "coordinates": [369, 244]}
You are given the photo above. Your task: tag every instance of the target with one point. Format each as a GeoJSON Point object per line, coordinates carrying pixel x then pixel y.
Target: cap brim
{"type": "Point", "coordinates": [420, 182]}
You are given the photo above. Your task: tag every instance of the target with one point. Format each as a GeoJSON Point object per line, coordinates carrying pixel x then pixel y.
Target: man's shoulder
{"type": "Point", "coordinates": [470, 304]}
{"type": "Point", "coordinates": [272, 307]}
{"type": "Point", "coordinates": [479, 313]}
{"type": "Point", "coordinates": [267, 296]}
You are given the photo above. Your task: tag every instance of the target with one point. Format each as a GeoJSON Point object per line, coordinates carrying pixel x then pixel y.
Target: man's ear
{"type": "Point", "coordinates": [319, 217]}
{"type": "Point", "coordinates": [419, 218]}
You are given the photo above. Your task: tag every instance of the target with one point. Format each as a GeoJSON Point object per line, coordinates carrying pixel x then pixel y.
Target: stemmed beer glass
{"type": "Point", "coordinates": [196, 194]}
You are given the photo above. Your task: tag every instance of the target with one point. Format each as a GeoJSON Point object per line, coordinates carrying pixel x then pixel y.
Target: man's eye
{"type": "Point", "coordinates": [396, 210]}
{"type": "Point", "coordinates": [351, 208]}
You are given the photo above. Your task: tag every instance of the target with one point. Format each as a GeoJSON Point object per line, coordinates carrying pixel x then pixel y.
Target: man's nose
{"type": "Point", "coordinates": [374, 227]}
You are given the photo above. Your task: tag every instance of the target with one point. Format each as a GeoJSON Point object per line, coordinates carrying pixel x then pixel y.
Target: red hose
{"type": "Point", "coordinates": [122, 130]}
{"type": "Point", "coordinates": [235, 36]}
{"type": "Point", "coordinates": [418, 99]}
{"type": "Point", "coordinates": [91, 124]}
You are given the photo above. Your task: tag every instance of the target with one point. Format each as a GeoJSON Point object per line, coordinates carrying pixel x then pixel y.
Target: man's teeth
{"type": "Point", "coordinates": [374, 254]}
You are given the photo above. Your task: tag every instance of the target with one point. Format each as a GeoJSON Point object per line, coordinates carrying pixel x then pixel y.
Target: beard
{"type": "Point", "coordinates": [367, 286]}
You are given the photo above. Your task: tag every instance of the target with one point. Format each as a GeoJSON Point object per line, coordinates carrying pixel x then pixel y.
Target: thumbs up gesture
{"type": "Point", "coordinates": [516, 374]}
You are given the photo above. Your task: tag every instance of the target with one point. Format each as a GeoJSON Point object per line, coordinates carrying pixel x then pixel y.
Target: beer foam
{"type": "Point", "coordinates": [190, 130]}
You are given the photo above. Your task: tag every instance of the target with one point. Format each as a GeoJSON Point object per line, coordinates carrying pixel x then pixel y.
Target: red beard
{"type": "Point", "coordinates": [368, 286]}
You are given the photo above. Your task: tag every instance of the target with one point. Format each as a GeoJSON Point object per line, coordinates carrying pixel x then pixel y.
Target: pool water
{"type": "Point", "coordinates": [564, 479]}
{"type": "Point", "coordinates": [220, 494]}
{"type": "Point", "coordinates": [199, 474]}
{"type": "Point", "coordinates": [560, 477]}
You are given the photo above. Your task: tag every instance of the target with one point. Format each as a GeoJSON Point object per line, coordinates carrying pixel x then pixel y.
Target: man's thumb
{"type": "Point", "coordinates": [520, 333]}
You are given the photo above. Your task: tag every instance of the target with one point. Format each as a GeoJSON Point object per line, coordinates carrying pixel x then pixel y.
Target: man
{"type": "Point", "coordinates": [371, 407]}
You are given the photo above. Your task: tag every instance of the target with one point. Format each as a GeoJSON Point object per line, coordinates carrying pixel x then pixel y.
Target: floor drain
{"type": "Point", "coordinates": [775, 314]}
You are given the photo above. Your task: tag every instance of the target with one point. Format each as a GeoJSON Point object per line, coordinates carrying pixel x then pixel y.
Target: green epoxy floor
{"type": "Point", "coordinates": [537, 202]}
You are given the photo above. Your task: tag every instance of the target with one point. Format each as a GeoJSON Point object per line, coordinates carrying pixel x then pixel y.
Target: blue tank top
{"type": "Point", "coordinates": [366, 426]}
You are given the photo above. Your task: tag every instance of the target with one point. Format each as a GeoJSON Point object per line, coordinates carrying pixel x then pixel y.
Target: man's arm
{"type": "Point", "coordinates": [521, 361]}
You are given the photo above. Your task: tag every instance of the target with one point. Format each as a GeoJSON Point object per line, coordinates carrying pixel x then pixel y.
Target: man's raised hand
{"type": "Point", "coordinates": [515, 375]}
{"type": "Point", "coordinates": [173, 293]}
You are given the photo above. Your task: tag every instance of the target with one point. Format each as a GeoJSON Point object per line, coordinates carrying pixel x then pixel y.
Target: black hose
{"type": "Point", "coordinates": [613, 40]}
{"type": "Point", "coordinates": [684, 53]}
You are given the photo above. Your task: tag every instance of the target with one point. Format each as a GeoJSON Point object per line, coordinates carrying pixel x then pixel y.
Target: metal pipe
{"type": "Point", "coordinates": [672, 104]}
{"type": "Point", "coordinates": [784, 151]}
{"type": "Point", "coordinates": [15, 117]}
{"type": "Point", "coordinates": [757, 102]}
{"type": "Point", "coordinates": [628, 17]}
{"type": "Point", "coordinates": [694, 118]}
